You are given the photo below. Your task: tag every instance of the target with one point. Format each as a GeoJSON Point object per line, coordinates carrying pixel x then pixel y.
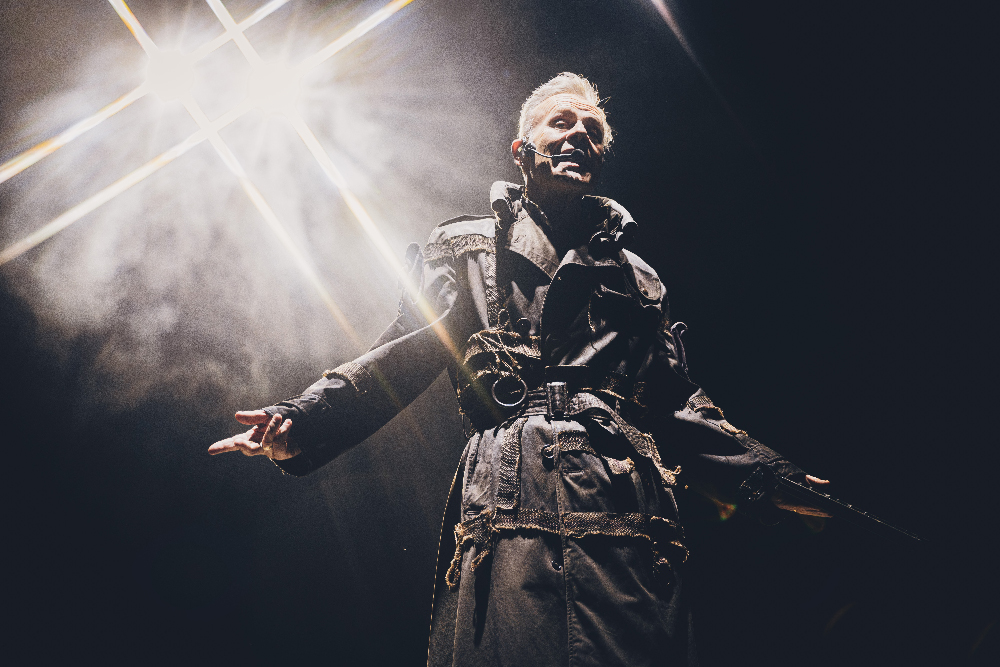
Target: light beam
{"type": "Point", "coordinates": [675, 27]}
{"type": "Point", "coordinates": [373, 232]}
{"type": "Point", "coordinates": [269, 216]}
{"type": "Point", "coordinates": [229, 24]}
{"type": "Point", "coordinates": [271, 87]}
{"type": "Point", "coordinates": [259, 14]}
{"type": "Point", "coordinates": [19, 163]}
{"type": "Point", "coordinates": [351, 35]}
{"type": "Point", "coordinates": [175, 78]}
{"type": "Point", "coordinates": [208, 129]}
{"type": "Point", "coordinates": [98, 199]}
{"type": "Point", "coordinates": [274, 87]}
{"type": "Point", "coordinates": [29, 157]}
{"type": "Point", "coordinates": [134, 26]}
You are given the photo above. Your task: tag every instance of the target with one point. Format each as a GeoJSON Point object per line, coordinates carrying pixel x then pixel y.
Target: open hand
{"type": "Point", "coordinates": [268, 437]}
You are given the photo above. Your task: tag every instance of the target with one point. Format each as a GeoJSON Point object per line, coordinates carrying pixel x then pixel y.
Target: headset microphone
{"type": "Point", "coordinates": [577, 155]}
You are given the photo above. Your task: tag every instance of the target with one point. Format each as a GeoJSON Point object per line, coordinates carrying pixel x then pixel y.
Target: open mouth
{"type": "Point", "coordinates": [576, 168]}
{"type": "Point", "coordinates": [574, 161]}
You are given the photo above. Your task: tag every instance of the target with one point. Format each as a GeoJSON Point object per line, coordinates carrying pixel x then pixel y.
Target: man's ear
{"type": "Point", "coordinates": [515, 150]}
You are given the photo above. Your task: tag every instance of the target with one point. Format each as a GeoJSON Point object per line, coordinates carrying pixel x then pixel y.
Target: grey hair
{"type": "Point", "coordinates": [563, 83]}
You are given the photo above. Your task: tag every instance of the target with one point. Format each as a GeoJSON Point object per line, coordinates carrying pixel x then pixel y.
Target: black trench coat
{"type": "Point", "coordinates": [562, 542]}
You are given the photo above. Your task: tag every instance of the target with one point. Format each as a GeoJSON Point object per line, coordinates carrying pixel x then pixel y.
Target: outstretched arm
{"type": "Point", "coordinates": [711, 448]}
{"type": "Point", "coordinates": [354, 400]}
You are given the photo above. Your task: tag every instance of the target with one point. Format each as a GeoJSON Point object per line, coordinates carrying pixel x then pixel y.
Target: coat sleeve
{"type": "Point", "coordinates": [352, 401]}
{"type": "Point", "coordinates": [719, 459]}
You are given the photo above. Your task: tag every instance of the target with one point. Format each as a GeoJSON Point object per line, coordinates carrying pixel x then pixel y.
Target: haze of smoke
{"type": "Point", "coordinates": [177, 288]}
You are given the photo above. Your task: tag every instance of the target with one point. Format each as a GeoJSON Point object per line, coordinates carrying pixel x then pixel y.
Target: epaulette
{"type": "Point", "coordinates": [460, 236]}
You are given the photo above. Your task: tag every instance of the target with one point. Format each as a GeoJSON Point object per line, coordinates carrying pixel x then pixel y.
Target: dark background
{"type": "Point", "coordinates": [828, 239]}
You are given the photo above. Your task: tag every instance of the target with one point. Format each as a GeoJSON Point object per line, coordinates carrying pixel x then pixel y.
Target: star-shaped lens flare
{"type": "Point", "coordinates": [29, 157]}
{"type": "Point", "coordinates": [272, 88]}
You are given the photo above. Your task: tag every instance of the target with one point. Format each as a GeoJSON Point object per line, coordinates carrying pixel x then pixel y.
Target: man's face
{"type": "Point", "coordinates": [562, 124]}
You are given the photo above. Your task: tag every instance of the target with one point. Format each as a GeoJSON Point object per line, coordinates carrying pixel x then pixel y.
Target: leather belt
{"type": "Point", "coordinates": [555, 402]}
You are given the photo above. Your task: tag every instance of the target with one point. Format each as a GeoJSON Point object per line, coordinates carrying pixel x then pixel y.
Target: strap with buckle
{"type": "Point", "coordinates": [557, 397]}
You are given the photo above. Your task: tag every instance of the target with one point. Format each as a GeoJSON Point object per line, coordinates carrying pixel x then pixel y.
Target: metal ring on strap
{"type": "Point", "coordinates": [523, 389]}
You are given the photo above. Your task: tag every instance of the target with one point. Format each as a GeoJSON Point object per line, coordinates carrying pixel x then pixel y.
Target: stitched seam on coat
{"type": "Point", "coordinates": [509, 482]}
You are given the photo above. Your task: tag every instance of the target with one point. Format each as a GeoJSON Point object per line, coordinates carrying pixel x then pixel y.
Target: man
{"type": "Point", "coordinates": [567, 541]}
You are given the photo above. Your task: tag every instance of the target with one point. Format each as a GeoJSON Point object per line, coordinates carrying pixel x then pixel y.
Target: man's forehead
{"type": "Point", "coordinates": [567, 100]}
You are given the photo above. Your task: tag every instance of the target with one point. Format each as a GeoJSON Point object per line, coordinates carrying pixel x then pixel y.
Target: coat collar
{"type": "Point", "coordinates": [521, 228]}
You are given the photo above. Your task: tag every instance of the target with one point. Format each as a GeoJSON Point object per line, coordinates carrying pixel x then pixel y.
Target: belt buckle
{"type": "Point", "coordinates": [557, 396]}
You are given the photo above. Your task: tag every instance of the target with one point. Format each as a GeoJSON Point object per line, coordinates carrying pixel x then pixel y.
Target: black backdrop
{"type": "Point", "coordinates": [827, 238]}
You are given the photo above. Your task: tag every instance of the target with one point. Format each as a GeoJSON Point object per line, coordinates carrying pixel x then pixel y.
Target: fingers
{"type": "Point", "coordinates": [801, 509]}
{"type": "Point", "coordinates": [223, 446]}
{"type": "Point", "coordinates": [244, 442]}
{"type": "Point", "coordinates": [271, 430]}
{"type": "Point", "coordinates": [817, 481]}
{"type": "Point", "coordinates": [809, 511]}
{"type": "Point", "coordinates": [793, 505]}
{"type": "Point", "coordinates": [267, 432]}
{"type": "Point", "coordinates": [250, 417]}
{"type": "Point", "coordinates": [271, 435]}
